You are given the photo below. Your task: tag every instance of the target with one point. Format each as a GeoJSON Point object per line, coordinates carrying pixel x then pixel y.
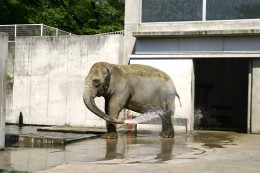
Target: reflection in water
{"type": "Point", "coordinates": [143, 147]}
{"type": "Point", "coordinates": [166, 149]}
{"type": "Point", "coordinates": [132, 146]}
{"type": "Point", "coordinates": [111, 150]}
{"type": "Point", "coordinates": [127, 149]}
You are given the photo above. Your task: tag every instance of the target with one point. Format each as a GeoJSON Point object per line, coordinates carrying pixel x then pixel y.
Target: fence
{"type": "Point", "coordinates": [31, 30]}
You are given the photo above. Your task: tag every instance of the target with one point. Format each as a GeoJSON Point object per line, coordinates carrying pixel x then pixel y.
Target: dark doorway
{"type": "Point", "coordinates": [221, 94]}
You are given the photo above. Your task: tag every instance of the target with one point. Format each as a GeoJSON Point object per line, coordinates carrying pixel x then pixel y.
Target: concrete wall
{"type": "Point", "coordinates": [133, 24]}
{"type": "Point", "coordinates": [11, 57]}
{"type": "Point", "coordinates": [255, 117]}
{"type": "Point", "coordinates": [3, 61]}
{"type": "Point", "coordinates": [181, 73]}
{"type": "Point", "coordinates": [177, 30]}
{"type": "Point", "coordinates": [200, 26]}
{"type": "Point", "coordinates": [10, 74]}
{"type": "Point", "coordinates": [49, 74]}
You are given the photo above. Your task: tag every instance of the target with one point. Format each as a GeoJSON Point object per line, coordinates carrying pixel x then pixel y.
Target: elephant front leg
{"type": "Point", "coordinates": [111, 131]}
{"type": "Point", "coordinates": [112, 109]}
{"type": "Point", "coordinates": [167, 126]}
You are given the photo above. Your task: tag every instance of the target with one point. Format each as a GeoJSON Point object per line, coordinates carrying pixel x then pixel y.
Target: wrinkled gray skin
{"type": "Point", "coordinates": [136, 87]}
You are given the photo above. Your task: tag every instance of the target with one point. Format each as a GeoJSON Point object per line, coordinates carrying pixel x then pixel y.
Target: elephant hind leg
{"type": "Point", "coordinates": [167, 126]}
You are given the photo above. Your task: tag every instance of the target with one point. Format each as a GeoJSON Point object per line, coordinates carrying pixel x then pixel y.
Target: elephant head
{"type": "Point", "coordinates": [96, 84]}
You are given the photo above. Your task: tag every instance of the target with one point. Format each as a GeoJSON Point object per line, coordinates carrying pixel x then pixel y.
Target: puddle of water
{"type": "Point", "coordinates": [143, 148]}
{"type": "Point", "coordinates": [213, 146]}
{"type": "Point", "coordinates": [128, 149]}
{"type": "Point", "coordinates": [214, 139]}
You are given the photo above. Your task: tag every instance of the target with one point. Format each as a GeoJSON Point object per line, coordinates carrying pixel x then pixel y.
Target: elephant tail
{"type": "Point", "coordinates": [178, 98]}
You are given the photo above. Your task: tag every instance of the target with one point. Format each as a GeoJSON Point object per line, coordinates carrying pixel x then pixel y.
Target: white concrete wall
{"type": "Point", "coordinates": [49, 74]}
{"type": "Point", "coordinates": [3, 63]}
{"type": "Point", "coordinates": [181, 73]}
{"type": "Point", "coordinates": [255, 117]}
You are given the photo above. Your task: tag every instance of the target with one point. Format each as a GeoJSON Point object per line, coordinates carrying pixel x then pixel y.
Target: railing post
{"type": "Point", "coordinates": [41, 29]}
{"type": "Point", "coordinates": [15, 30]}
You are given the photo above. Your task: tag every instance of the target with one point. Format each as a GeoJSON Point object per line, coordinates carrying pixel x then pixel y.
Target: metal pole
{"type": "Point", "coordinates": [41, 29]}
{"type": "Point", "coordinates": [15, 29]}
{"type": "Point", "coordinates": [249, 103]}
{"type": "Point", "coordinates": [204, 10]}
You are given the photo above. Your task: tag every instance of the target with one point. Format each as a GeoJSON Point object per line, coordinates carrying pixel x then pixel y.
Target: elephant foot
{"type": "Point", "coordinates": [167, 134]}
{"type": "Point", "coordinates": [111, 135]}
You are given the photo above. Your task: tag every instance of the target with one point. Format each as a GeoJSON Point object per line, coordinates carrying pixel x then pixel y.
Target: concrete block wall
{"type": "Point", "coordinates": [181, 73]}
{"type": "Point", "coordinates": [3, 63]}
{"type": "Point", "coordinates": [255, 117]}
{"type": "Point", "coordinates": [49, 74]}
{"type": "Point", "coordinates": [10, 75]}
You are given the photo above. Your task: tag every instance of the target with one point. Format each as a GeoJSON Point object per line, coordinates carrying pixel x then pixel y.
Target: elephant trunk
{"type": "Point", "coordinates": [91, 105]}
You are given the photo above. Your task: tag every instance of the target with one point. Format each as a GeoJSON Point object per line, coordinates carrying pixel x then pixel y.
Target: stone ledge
{"type": "Point", "coordinates": [30, 136]}
{"type": "Point", "coordinates": [39, 140]}
{"type": "Point", "coordinates": [206, 33]}
{"type": "Point", "coordinates": [69, 129]}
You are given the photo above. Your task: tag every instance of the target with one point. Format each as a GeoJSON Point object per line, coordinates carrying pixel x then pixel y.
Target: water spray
{"type": "Point", "coordinates": [144, 117]}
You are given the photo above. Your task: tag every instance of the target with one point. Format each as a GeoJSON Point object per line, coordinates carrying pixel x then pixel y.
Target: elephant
{"type": "Point", "coordinates": [136, 87]}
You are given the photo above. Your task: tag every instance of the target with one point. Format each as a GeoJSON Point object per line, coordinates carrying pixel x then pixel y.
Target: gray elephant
{"type": "Point", "coordinates": [136, 87]}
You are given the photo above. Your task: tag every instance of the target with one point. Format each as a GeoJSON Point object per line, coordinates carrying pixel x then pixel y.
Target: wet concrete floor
{"type": "Point", "coordinates": [203, 151]}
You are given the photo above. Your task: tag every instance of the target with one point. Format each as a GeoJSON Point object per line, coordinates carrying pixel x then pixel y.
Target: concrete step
{"type": "Point", "coordinates": [37, 136]}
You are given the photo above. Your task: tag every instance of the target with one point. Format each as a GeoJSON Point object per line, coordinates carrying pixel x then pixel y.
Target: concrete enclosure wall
{"type": "Point", "coordinates": [3, 61]}
{"type": "Point", "coordinates": [255, 118]}
{"type": "Point", "coordinates": [181, 73]}
{"type": "Point", "coordinates": [49, 74]}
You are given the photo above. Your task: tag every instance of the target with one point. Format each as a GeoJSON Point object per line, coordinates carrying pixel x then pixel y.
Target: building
{"type": "Point", "coordinates": [211, 49]}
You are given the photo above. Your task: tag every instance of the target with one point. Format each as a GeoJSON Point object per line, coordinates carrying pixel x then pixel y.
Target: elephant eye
{"type": "Point", "coordinates": [96, 82]}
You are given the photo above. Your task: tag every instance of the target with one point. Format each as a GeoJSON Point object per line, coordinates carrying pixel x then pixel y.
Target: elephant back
{"type": "Point", "coordinates": [142, 70]}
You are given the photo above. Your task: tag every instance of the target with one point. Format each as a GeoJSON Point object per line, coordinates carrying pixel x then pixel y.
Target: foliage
{"type": "Point", "coordinates": [76, 16]}
{"type": "Point", "coordinates": [9, 78]}
{"type": "Point", "coordinates": [12, 171]}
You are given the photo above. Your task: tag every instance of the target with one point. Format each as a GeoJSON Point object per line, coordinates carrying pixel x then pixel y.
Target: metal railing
{"type": "Point", "coordinates": [112, 33]}
{"type": "Point", "coordinates": [31, 30]}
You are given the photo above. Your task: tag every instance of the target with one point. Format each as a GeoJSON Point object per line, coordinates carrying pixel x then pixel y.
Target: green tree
{"type": "Point", "coordinates": [12, 11]}
{"type": "Point", "coordinates": [77, 16]}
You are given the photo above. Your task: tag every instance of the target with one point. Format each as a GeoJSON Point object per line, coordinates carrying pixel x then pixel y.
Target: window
{"type": "Point", "coordinates": [192, 10]}
{"type": "Point", "coordinates": [232, 9]}
{"type": "Point", "coordinates": [171, 10]}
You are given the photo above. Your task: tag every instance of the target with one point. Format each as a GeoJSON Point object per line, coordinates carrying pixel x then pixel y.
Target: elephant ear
{"type": "Point", "coordinates": [107, 79]}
